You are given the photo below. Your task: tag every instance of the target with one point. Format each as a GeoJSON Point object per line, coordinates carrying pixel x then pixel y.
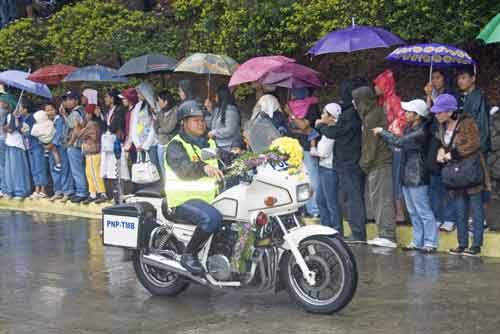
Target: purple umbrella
{"type": "Point", "coordinates": [292, 75]}
{"type": "Point", "coordinates": [255, 68]}
{"type": "Point", "coordinates": [353, 39]}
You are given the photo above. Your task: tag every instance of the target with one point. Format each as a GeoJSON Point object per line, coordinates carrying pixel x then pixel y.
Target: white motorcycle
{"type": "Point", "coordinates": [262, 244]}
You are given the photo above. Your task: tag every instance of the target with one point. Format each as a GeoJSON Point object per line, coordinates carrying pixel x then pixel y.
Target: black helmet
{"type": "Point", "coordinates": [191, 109]}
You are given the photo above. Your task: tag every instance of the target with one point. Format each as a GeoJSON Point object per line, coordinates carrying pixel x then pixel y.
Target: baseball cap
{"type": "Point", "coordinates": [417, 106]}
{"type": "Point", "coordinates": [71, 94]}
{"type": "Point", "coordinates": [333, 109]}
{"type": "Point", "coordinates": [444, 103]}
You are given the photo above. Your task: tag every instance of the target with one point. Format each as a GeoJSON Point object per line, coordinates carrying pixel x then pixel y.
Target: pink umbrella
{"type": "Point", "coordinates": [292, 75]}
{"type": "Point", "coordinates": [255, 68]}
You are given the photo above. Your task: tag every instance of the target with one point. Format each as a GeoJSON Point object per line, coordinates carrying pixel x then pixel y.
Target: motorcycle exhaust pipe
{"type": "Point", "coordinates": [172, 266]}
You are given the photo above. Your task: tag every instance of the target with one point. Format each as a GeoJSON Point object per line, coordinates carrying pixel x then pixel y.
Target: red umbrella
{"type": "Point", "coordinates": [51, 75]}
{"type": "Point", "coordinates": [292, 75]}
{"type": "Point", "coordinates": [255, 68]}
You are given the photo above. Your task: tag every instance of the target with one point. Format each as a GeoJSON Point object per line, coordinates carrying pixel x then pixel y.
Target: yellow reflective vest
{"type": "Point", "coordinates": [179, 191]}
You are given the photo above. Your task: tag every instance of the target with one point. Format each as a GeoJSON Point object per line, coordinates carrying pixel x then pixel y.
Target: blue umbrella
{"type": "Point", "coordinates": [355, 38]}
{"type": "Point", "coordinates": [18, 80]}
{"type": "Point", "coordinates": [95, 73]}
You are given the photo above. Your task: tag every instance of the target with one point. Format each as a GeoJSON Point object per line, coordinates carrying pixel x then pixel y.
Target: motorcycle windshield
{"type": "Point", "coordinates": [261, 133]}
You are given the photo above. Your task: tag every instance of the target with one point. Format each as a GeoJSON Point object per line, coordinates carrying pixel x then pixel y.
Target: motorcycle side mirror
{"type": "Point", "coordinates": [208, 154]}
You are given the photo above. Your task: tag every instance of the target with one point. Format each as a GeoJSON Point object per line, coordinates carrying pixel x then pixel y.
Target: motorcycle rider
{"type": "Point", "coordinates": [190, 183]}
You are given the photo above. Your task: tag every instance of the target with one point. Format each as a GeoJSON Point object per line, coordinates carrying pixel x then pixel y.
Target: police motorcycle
{"type": "Point", "coordinates": [262, 245]}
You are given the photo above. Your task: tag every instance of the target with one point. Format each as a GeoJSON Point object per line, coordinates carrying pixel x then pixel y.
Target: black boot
{"type": "Point", "coordinates": [190, 259]}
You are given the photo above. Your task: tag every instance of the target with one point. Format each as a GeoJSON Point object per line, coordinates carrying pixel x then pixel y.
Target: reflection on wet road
{"type": "Point", "coordinates": [56, 277]}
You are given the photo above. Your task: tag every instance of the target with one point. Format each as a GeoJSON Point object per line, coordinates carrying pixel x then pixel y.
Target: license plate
{"type": "Point", "coordinates": [120, 231]}
{"type": "Point", "coordinates": [279, 166]}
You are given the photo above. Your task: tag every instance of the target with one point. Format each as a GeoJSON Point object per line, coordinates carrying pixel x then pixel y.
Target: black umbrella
{"type": "Point", "coordinates": [146, 64]}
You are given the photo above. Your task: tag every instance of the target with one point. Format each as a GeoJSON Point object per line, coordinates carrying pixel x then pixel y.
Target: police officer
{"type": "Point", "coordinates": [190, 183]}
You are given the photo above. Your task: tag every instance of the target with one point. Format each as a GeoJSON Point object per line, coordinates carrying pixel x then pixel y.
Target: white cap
{"type": "Point", "coordinates": [417, 106]}
{"type": "Point", "coordinates": [333, 109]}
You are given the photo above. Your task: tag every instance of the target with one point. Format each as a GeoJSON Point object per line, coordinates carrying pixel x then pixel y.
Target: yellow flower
{"type": "Point", "coordinates": [290, 147]}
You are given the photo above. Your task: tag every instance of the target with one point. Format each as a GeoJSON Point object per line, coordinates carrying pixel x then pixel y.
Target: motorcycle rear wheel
{"type": "Point", "coordinates": [157, 281]}
{"type": "Point", "coordinates": [336, 275]}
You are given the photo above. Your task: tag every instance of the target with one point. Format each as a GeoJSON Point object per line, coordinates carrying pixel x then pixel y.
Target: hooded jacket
{"type": "Point", "coordinates": [476, 105]}
{"type": "Point", "coordinates": [391, 102]}
{"type": "Point", "coordinates": [347, 130]}
{"type": "Point", "coordinates": [375, 152]}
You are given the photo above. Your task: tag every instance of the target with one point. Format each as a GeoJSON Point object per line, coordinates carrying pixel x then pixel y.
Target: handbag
{"type": "Point", "coordinates": [108, 142]}
{"type": "Point", "coordinates": [464, 173]}
{"type": "Point", "coordinates": [144, 171]}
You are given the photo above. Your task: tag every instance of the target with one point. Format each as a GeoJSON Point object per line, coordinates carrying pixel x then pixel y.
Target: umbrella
{"type": "Point", "coordinates": [18, 80]}
{"type": "Point", "coordinates": [149, 63]}
{"type": "Point", "coordinates": [51, 75]}
{"type": "Point", "coordinates": [207, 63]}
{"type": "Point", "coordinates": [255, 68]}
{"type": "Point", "coordinates": [355, 38]}
{"type": "Point", "coordinates": [431, 54]}
{"type": "Point", "coordinates": [96, 73]}
{"type": "Point", "coordinates": [491, 32]}
{"type": "Point", "coordinates": [292, 75]}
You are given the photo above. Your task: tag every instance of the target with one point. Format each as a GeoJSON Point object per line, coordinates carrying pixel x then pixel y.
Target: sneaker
{"type": "Point", "coordinates": [101, 198]}
{"type": "Point", "coordinates": [89, 200]}
{"type": "Point", "coordinates": [18, 198]}
{"type": "Point", "coordinates": [411, 248]}
{"type": "Point", "coordinates": [447, 227]}
{"type": "Point", "coordinates": [56, 197]}
{"type": "Point", "coordinates": [382, 242]}
{"type": "Point", "coordinates": [42, 195]}
{"type": "Point", "coordinates": [58, 168]}
{"type": "Point", "coordinates": [34, 196]}
{"type": "Point", "coordinates": [65, 198]}
{"type": "Point", "coordinates": [457, 251]}
{"type": "Point", "coordinates": [428, 250]}
{"type": "Point", "coordinates": [78, 199]}
{"type": "Point", "coordinates": [351, 240]}
{"type": "Point", "coordinates": [473, 251]}
{"type": "Point", "coordinates": [1, 194]}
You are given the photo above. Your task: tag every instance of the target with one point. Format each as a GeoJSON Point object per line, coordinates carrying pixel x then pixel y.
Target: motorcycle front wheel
{"type": "Point", "coordinates": [157, 281]}
{"type": "Point", "coordinates": [336, 275]}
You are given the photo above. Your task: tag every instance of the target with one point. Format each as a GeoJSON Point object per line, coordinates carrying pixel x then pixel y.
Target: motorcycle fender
{"type": "Point", "coordinates": [295, 236]}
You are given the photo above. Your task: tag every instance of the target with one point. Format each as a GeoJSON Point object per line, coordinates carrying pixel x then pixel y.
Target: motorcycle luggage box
{"type": "Point", "coordinates": [128, 225]}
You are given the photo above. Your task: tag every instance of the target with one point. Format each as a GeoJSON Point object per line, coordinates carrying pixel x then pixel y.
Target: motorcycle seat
{"type": "Point", "coordinates": [151, 192]}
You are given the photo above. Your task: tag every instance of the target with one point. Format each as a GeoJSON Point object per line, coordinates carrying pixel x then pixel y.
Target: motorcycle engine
{"type": "Point", "coordinates": [218, 262]}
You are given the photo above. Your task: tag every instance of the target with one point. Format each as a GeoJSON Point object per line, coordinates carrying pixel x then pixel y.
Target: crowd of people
{"type": "Point", "coordinates": [381, 156]}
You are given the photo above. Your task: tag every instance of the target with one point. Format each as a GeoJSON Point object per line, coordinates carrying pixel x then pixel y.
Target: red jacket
{"type": "Point", "coordinates": [391, 102]}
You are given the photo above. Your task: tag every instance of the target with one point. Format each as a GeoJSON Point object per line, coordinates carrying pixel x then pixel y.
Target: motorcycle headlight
{"type": "Point", "coordinates": [304, 192]}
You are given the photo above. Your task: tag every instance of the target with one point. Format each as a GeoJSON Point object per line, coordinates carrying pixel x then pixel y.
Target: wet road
{"type": "Point", "coordinates": [55, 277]}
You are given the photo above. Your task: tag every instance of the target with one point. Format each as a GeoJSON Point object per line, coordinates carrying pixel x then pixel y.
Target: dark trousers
{"type": "Point", "coordinates": [474, 204]}
{"type": "Point", "coordinates": [351, 182]}
{"type": "Point", "coordinates": [328, 199]}
{"type": "Point", "coordinates": [200, 213]}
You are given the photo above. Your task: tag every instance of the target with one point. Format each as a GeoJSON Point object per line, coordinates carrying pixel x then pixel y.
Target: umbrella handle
{"type": "Point", "coordinates": [208, 86]}
{"type": "Point", "coordinates": [430, 72]}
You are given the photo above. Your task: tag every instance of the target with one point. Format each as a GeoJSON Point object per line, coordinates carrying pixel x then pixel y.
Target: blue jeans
{"type": "Point", "coordinates": [38, 165]}
{"type": "Point", "coordinates": [161, 150]}
{"type": "Point", "coordinates": [199, 212]}
{"type": "Point", "coordinates": [328, 199]}
{"type": "Point", "coordinates": [312, 166]}
{"type": "Point", "coordinates": [62, 181]}
{"type": "Point", "coordinates": [397, 191]}
{"type": "Point", "coordinates": [441, 204]}
{"type": "Point", "coordinates": [2, 164]}
{"type": "Point", "coordinates": [77, 165]}
{"type": "Point", "coordinates": [463, 204]}
{"type": "Point", "coordinates": [425, 229]}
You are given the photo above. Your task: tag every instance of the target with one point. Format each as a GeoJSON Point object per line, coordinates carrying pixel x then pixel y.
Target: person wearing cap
{"type": "Point", "coordinates": [414, 174]}
{"type": "Point", "coordinates": [75, 121]}
{"type": "Point", "coordinates": [190, 183]}
{"type": "Point", "coordinates": [460, 139]}
{"type": "Point", "coordinates": [327, 194]}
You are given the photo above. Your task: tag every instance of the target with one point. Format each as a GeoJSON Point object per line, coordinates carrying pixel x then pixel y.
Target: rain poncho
{"type": "Point", "coordinates": [391, 102]}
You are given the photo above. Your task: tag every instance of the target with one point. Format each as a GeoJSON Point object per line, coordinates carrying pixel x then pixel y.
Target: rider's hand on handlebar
{"type": "Point", "coordinates": [213, 172]}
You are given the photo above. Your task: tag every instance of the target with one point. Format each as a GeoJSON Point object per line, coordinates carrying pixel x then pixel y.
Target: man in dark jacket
{"type": "Point", "coordinates": [376, 161]}
{"type": "Point", "coordinates": [190, 182]}
{"type": "Point", "coordinates": [346, 131]}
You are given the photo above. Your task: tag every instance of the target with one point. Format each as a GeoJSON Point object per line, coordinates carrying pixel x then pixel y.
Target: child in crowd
{"type": "Point", "coordinates": [90, 136]}
{"type": "Point", "coordinates": [414, 174]}
{"type": "Point", "coordinates": [44, 130]}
